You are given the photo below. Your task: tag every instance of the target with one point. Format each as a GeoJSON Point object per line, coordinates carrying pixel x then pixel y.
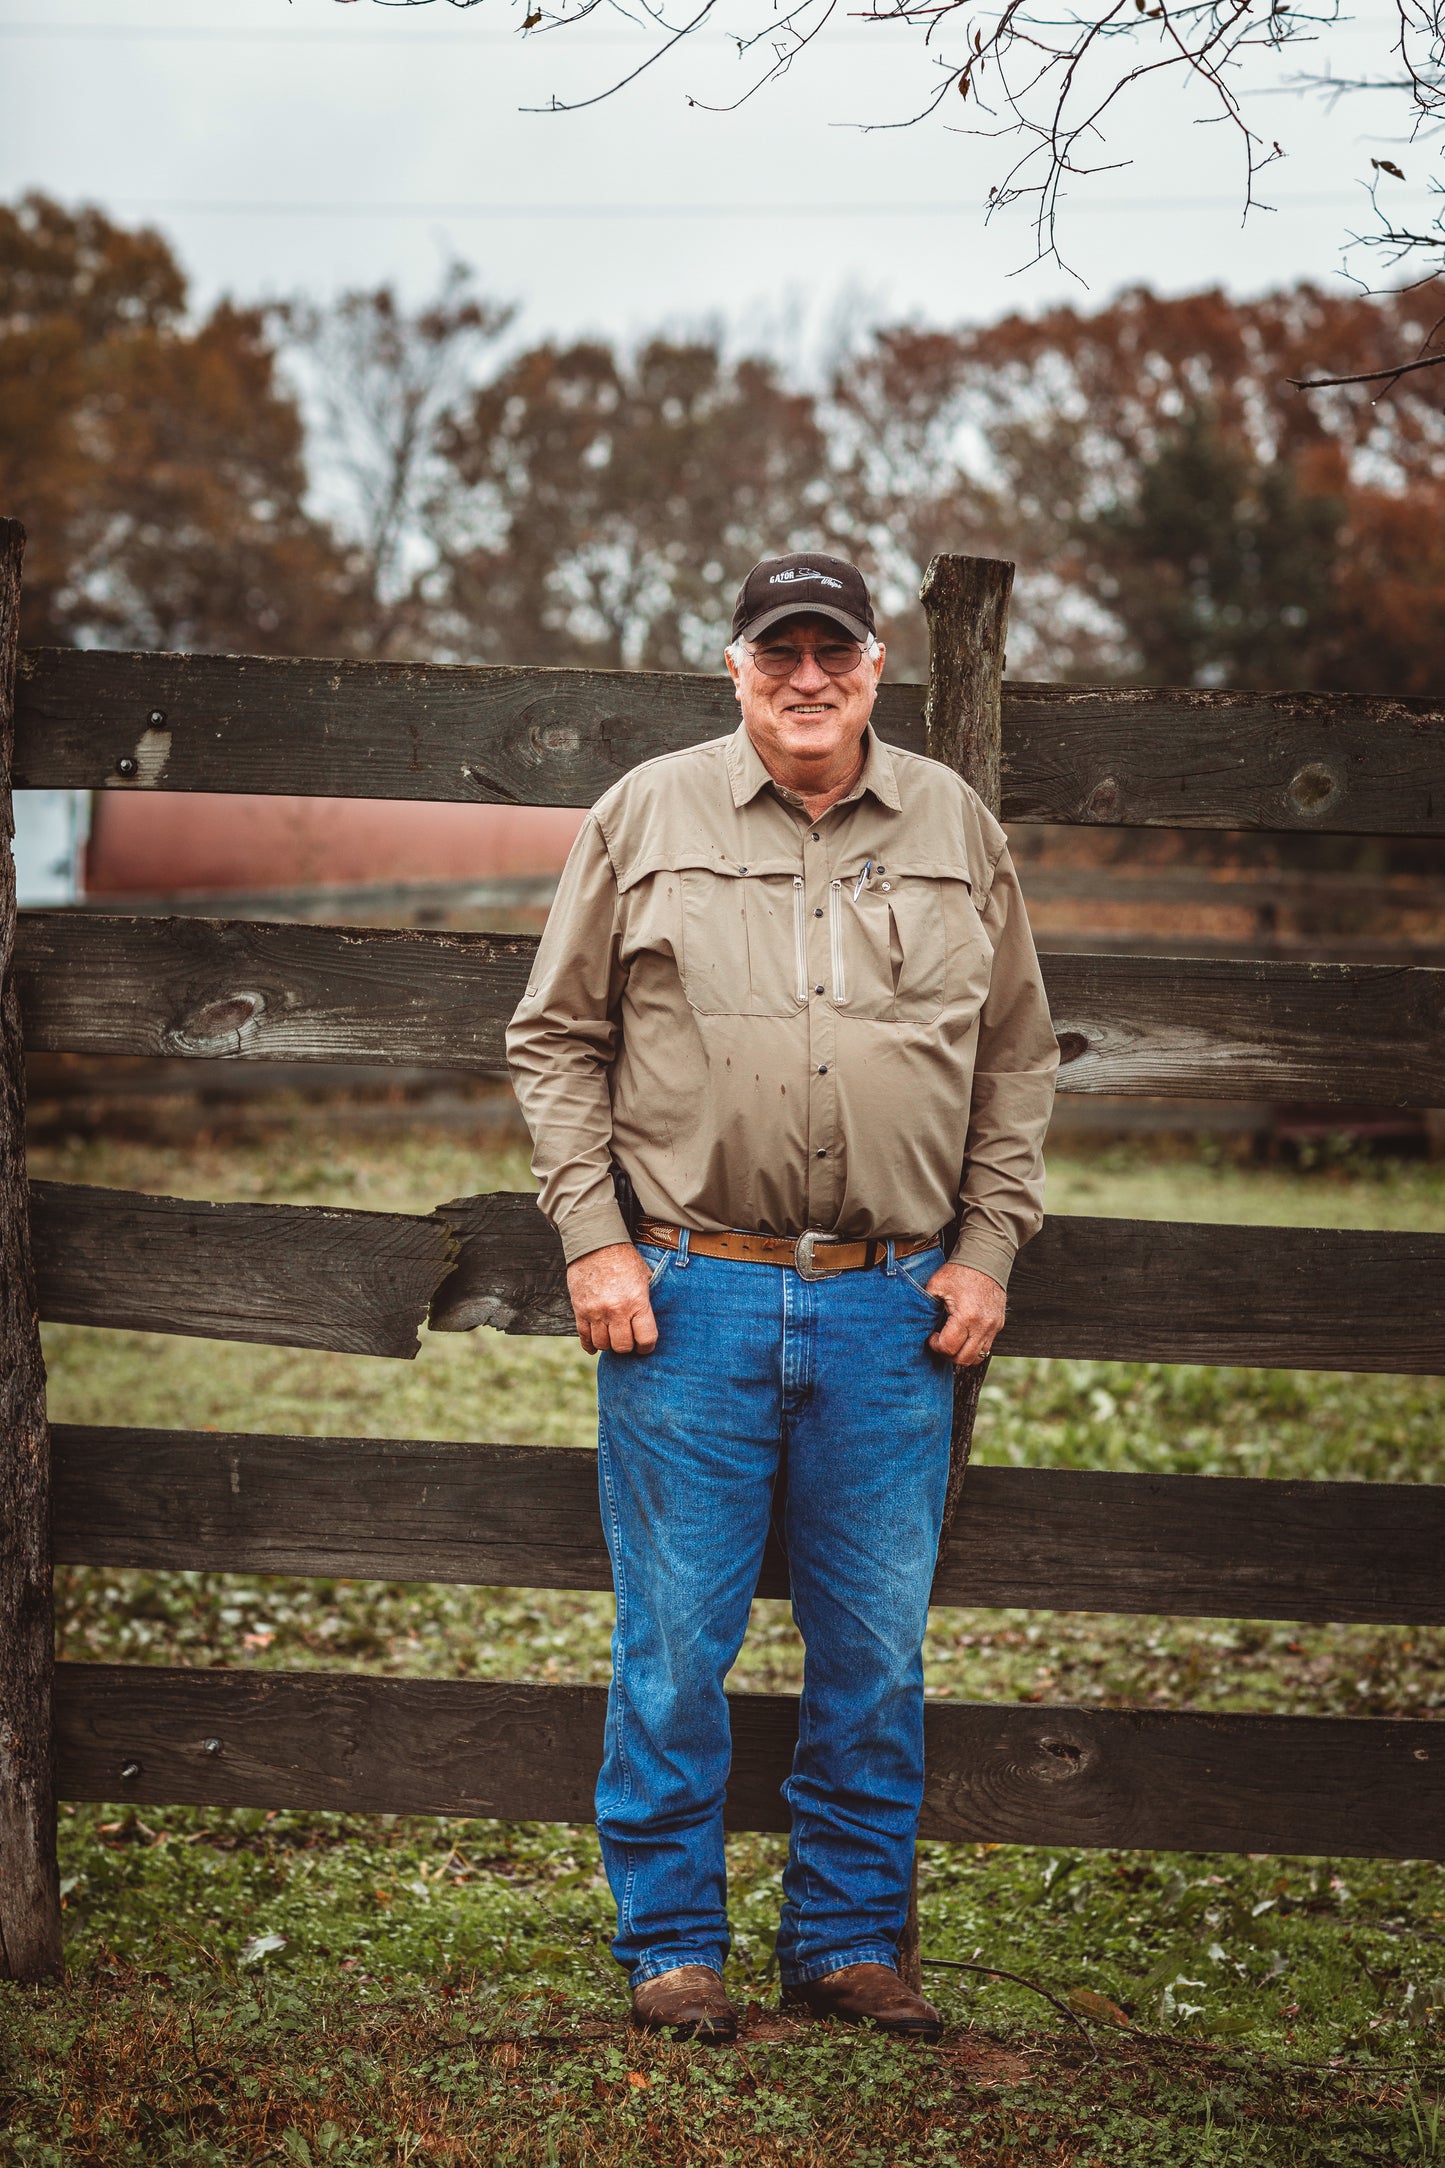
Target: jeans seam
{"type": "Point", "coordinates": [619, 1577]}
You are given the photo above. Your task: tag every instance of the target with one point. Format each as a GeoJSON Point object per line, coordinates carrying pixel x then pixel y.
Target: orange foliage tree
{"type": "Point", "coordinates": [159, 466]}
{"type": "Point", "coordinates": [1179, 512]}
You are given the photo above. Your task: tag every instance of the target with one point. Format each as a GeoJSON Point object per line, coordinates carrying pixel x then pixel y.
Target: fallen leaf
{"type": "Point", "coordinates": [1088, 2002]}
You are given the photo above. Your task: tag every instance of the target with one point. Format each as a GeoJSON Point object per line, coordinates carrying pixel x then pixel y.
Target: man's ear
{"type": "Point", "coordinates": [731, 660]}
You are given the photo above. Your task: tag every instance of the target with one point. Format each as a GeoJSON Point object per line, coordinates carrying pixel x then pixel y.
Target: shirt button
{"type": "Point", "coordinates": [822, 1155]}
{"type": "Point", "coordinates": [822, 1068]}
{"type": "Point", "coordinates": [819, 912]}
{"type": "Point", "coordinates": [817, 989]}
{"type": "Point", "coordinates": [815, 837]}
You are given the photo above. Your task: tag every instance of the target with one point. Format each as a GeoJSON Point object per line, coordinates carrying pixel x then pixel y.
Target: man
{"type": "Point", "coordinates": [788, 989]}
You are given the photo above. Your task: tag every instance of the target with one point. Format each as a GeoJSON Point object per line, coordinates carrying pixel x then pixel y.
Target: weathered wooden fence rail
{"type": "Point", "coordinates": [524, 1516]}
{"type": "Point", "coordinates": [1151, 1025]}
{"type": "Point", "coordinates": [365, 1282]}
{"type": "Point", "coordinates": [1024, 1775]}
{"type": "Point", "coordinates": [1336, 763]}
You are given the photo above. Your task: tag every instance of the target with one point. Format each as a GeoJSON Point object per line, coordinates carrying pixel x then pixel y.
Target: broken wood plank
{"type": "Point", "coordinates": [524, 1516]}
{"type": "Point", "coordinates": [1113, 756]}
{"type": "Point", "coordinates": [198, 988]}
{"type": "Point", "coordinates": [346, 1742]}
{"type": "Point", "coordinates": [285, 1275]}
{"type": "Point", "coordinates": [1106, 1289]}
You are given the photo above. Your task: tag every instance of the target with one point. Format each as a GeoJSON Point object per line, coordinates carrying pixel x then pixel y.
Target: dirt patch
{"type": "Point", "coordinates": [984, 2062]}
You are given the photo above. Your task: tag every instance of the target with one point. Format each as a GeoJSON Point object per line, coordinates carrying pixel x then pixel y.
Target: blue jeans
{"type": "Point", "coordinates": [758, 1370]}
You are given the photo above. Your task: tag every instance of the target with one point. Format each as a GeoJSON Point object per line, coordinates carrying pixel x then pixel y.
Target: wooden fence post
{"type": "Point", "coordinates": [29, 1893]}
{"type": "Point", "coordinates": [965, 600]}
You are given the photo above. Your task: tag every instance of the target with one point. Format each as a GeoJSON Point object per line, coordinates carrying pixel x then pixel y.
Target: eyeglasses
{"type": "Point", "coordinates": [836, 658]}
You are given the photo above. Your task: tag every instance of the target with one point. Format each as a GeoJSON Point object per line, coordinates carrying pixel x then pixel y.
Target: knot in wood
{"type": "Point", "coordinates": [1072, 1044]}
{"type": "Point", "coordinates": [220, 1027]}
{"type": "Point", "coordinates": [1066, 1753]}
{"type": "Point", "coordinates": [554, 737]}
{"type": "Point", "coordinates": [1103, 801]}
{"type": "Point", "coordinates": [1314, 789]}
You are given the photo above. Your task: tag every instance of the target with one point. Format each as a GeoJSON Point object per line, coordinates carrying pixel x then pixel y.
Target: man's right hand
{"type": "Point", "coordinates": [611, 1301]}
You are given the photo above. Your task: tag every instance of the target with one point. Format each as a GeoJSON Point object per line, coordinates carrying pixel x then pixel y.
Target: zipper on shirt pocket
{"type": "Point", "coordinates": [835, 937]}
{"type": "Point", "coordinates": [800, 937]}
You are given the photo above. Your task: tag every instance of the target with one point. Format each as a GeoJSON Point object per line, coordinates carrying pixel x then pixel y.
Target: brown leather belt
{"type": "Point", "coordinates": [812, 1256]}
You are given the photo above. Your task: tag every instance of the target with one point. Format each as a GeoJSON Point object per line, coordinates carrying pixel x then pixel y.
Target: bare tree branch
{"type": "Point", "coordinates": [1052, 76]}
{"type": "Point", "coordinates": [1370, 376]}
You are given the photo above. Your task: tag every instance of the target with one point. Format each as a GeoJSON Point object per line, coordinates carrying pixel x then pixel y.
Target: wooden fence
{"type": "Point", "coordinates": [365, 1281]}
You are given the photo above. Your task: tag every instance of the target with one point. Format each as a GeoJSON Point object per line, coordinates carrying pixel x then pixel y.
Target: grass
{"type": "Point", "coordinates": [247, 1987]}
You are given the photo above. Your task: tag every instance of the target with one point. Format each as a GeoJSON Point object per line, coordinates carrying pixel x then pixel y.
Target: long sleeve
{"type": "Point", "coordinates": [561, 1044]}
{"type": "Point", "coordinates": [1001, 1202]}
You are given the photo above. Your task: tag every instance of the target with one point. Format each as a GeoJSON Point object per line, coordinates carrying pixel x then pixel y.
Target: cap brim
{"type": "Point", "coordinates": [766, 619]}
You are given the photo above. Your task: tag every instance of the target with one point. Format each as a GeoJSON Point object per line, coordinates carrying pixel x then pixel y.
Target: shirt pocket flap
{"type": "Point", "coordinates": [682, 858]}
{"type": "Point", "coordinates": [911, 928]}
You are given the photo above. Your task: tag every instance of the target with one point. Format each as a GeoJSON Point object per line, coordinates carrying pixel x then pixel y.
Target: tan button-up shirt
{"type": "Point", "coordinates": [779, 1024]}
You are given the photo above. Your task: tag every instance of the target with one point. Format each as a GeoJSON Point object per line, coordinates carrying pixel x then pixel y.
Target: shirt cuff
{"type": "Point", "coordinates": [985, 1252]}
{"type": "Point", "coordinates": [591, 1227]}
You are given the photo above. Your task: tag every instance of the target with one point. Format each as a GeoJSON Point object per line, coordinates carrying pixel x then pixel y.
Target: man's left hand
{"type": "Point", "coordinates": [976, 1306]}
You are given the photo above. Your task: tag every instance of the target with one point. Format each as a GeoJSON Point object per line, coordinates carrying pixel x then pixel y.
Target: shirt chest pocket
{"type": "Point", "coordinates": [907, 945]}
{"type": "Point", "coordinates": [744, 940]}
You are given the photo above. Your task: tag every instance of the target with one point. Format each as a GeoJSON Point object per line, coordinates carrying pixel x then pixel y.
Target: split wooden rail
{"type": "Point", "coordinates": [364, 1282]}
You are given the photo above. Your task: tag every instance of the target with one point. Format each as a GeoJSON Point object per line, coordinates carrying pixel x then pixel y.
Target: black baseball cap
{"type": "Point", "coordinates": [805, 585]}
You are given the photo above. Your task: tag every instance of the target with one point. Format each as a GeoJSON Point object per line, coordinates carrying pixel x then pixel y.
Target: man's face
{"type": "Point", "coordinates": [807, 720]}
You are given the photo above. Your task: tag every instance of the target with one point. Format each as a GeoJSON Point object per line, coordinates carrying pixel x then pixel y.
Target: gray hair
{"type": "Point", "coordinates": [739, 648]}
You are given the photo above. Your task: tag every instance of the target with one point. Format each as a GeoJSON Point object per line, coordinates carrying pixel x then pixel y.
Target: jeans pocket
{"type": "Point", "coordinates": [656, 1259]}
{"type": "Point", "coordinates": [912, 1271]}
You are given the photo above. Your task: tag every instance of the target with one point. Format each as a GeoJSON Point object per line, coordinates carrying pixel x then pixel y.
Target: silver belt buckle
{"type": "Point", "coordinates": [803, 1250]}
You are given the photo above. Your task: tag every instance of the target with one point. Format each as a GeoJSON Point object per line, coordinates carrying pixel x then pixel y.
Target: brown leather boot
{"type": "Point", "coordinates": [861, 1992]}
{"type": "Point", "coordinates": [690, 2001]}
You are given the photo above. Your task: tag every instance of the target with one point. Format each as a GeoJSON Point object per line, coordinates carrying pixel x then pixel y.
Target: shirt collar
{"type": "Point", "coordinates": [748, 776]}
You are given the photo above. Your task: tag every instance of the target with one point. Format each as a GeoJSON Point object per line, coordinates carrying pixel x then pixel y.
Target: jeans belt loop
{"type": "Point", "coordinates": [684, 1240]}
{"type": "Point", "coordinates": [891, 1263]}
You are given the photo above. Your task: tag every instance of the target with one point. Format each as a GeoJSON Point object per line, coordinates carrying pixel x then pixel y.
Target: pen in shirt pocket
{"type": "Point", "coordinates": [862, 881]}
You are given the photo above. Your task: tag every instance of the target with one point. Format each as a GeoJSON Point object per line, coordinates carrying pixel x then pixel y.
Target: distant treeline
{"type": "Point", "coordinates": [360, 478]}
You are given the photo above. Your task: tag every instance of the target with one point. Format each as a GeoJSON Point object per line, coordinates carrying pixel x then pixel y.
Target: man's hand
{"type": "Point", "coordinates": [611, 1302]}
{"type": "Point", "coordinates": [976, 1306]}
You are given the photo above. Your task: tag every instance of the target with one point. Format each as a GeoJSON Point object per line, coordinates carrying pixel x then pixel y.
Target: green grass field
{"type": "Point", "coordinates": [247, 1987]}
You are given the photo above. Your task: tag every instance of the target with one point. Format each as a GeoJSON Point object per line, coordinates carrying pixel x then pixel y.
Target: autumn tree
{"type": "Point", "coordinates": [385, 383]}
{"type": "Point", "coordinates": [159, 465]}
{"type": "Point", "coordinates": [604, 507]}
{"type": "Point", "coordinates": [1177, 511]}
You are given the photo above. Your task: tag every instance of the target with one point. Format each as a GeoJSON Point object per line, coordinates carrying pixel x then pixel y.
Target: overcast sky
{"type": "Point", "coordinates": [312, 145]}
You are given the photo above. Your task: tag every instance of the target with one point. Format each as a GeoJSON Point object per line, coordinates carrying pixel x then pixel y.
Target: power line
{"type": "Point", "coordinates": [422, 39]}
{"type": "Point", "coordinates": [1115, 205]}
